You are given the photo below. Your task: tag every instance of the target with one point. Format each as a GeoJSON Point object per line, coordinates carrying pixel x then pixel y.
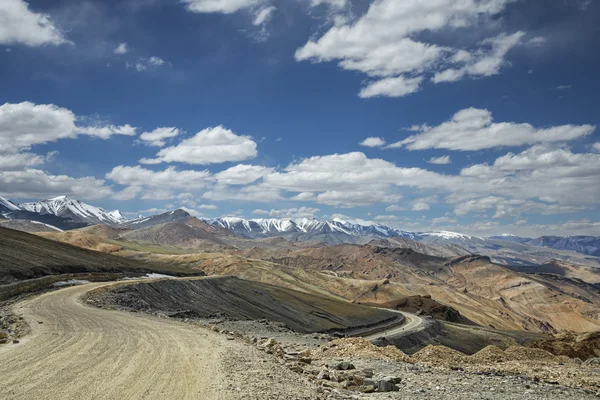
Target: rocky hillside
{"type": "Point", "coordinates": [26, 256]}
{"type": "Point", "coordinates": [235, 299]}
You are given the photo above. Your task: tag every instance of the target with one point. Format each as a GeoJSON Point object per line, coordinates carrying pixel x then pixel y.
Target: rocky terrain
{"type": "Point", "coordinates": [237, 299]}
{"type": "Point", "coordinates": [24, 256]}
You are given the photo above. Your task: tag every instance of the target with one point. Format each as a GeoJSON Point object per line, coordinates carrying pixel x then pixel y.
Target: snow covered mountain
{"type": "Point", "coordinates": [261, 227]}
{"type": "Point", "coordinates": [75, 210]}
{"type": "Point", "coordinates": [582, 244]}
{"type": "Point", "coordinates": [146, 222]}
{"type": "Point", "coordinates": [7, 205]}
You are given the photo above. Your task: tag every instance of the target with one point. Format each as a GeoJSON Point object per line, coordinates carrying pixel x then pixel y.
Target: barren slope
{"type": "Point", "coordinates": [26, 256]}
{"type": "Point", "coordinates": [82, 352]}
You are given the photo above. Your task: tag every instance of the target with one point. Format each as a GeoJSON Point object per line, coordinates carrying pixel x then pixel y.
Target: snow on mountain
{"type": "Point", "coordinates": [146, 222]}
{"type": "Point", "coordinates": [274, 227]}
{"type": "Point", "coordinates": [449, 235]}
{"type": "Point", "coordinates": [64, 206]}
{"type": "Point", "coordinates": [7, 205]}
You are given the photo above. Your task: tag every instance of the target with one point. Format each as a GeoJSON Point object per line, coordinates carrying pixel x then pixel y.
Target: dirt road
{"type": "Point", "coordinates": [413, 323]}
{"type": "Point", "coordinates": [80, 352]}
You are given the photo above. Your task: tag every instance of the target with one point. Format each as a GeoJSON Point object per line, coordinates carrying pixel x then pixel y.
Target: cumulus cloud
{"type": "Point", "coordinates": [394, 207]}
{"type": "Point", "coordinates": [106, 131]}
{"type": "Point", "coordinates": [507, 207]}
{"type": "Point", "coordinates": [486, 61]}
{"type": "Point", "coordinates": [550, 174]}
{"type": "Point", "coordinates": [19, 161]}
{"type": "Point", "coordinates": [219, 6]}
{"type": "Point", "coordinates": [169, 178]}
{"type": "Point", "coordinates": [474, 129]}
{"type": "Point", "coordinates": [383, 44]}
{"type": "Point", "coordinates": [596, 146]}
{"type": "Point", "coordinates": [301, 212]}
{"type": "Point", "coordinates": [209, 146]}
{"type": "Point", "coordinates": [391, 87]}
{"type": "Point", "coordinates": [122, 48]}
{"type": "Point", "coordinates": [354, 198]}
{"type": "Point", "coordinates": [440, 160]}
{"type": "Point", "coordinates": [242, 174]}
{"type": "Point", "coordinates": [372, 142]}
{"type": "Point", "coordinates": [158, 136]}
{"type": "Point", "coordinates": [34, 183]}
{"type": "Point", "coordinates": [256, 193]}
{"type": "Point", "coordinates": [23, 125]}
{"type": "Point", "coordinates": [20, 25]}
{"type": "Point", "coordinates": [420, 206]}
{"type": "Point", "coordinates": [338, 172]}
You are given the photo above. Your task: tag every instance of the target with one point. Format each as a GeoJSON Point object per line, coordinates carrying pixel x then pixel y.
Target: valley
{"type": "Point", "coordinates": [429, 297]}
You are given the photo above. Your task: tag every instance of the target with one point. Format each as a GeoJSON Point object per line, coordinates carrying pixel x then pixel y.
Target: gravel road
{"type": "Point", "coordinates": [79, 352]}
{"type": "Point", "coordinates": [412, 323]}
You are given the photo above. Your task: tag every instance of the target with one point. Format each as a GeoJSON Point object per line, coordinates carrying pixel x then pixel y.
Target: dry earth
{"type": "Point", "coordinates": [79, 352]}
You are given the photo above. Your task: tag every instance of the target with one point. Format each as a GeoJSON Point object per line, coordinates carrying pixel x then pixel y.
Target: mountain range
{"type": "Point", "coordinates": [66, 213]}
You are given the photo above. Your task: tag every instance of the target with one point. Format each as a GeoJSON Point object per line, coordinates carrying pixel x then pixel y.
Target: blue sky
{"type": "Point", "coordinates": [482, 116]}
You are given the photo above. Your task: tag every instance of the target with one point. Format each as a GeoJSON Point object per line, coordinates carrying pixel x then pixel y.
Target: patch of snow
{"type": "Point", "coordinates": [47, 225]}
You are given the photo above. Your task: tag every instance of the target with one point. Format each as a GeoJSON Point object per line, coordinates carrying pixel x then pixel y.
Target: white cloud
{"type": "Point", "coordinates": [145, 64]}
{"type": "Point", "coordinates": [372, 142]}
{"type": "Point", "coordinates": [564, 87]}
{"type": "Point", "coordinates": [339, 172]}
{"type": "Point", "coordinates": [34, 183]}
{"type": "Point", "coordinates": [336, 4]}
{"type": "Point", "coordinates": [304, 196]}
{"type": "Point", "coordinates": [129, 193]}
{"type": "Point", "coordinates": [391, 87]}
{"type": "Point", "coordinates": [395, 207]}
{"type": "Point", "coordinates": [506, 207]}
{"type": "Point", "coordinates": [551, 174]}
{"type": "Point", "coordinates": [158, 194]}
{"type": "Point", "coordinates": [384, 44]}
{"type": "Point", "coordinates": [157, 136]}
{"type": "Point", "coordinates": [263, 15]}
{"type": "Point", "coordinates": [23, 125]}
{"type": "Point", "coordinates": [353, 198]}
{"type": "Point", "coordinates": [443, 220]}
{"type": "Point", "coordinates": [242, 174]}
{"type": "Point", "coordinates": [219, 6]}
{"type": "Point", "coordinates": [169, 178]}
{"type": "Point", "coordinates": [122, 48]}
{"type": "Point", "coordinates": [209, 146]}
{"type": "Point", "coordinates": [106, 131]}
{"type": "Point", "coordinates": [207, 207]}
{"type": "Point", "coordinates": [301, 212]}
{"type": "Point", "coordinates": [440, 160]}
{"type": "Point", "coordinates": [256, 193]}
{"type": "Point", "coordinates": [420, 206]}
{"type": "Point", "coordinates": [596, 146]}
{"type": "Point", "coordinates": [157, 61]}
{"type": "Point", "coordinates": [486, 61]}
{"type": "Point", "coordinates": [537, 41]}
{"type": "Point", "coordinates": [474, 129]}
{"type": "Point", "coordinates": [20, 25]}
{"type": "Point", "coordinates": [19, 161]}
{"type": "Point", "coordinates": [385, 218]}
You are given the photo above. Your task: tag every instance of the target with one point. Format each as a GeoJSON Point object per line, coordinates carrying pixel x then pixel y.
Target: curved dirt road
{"type": "Point", "coordinates": [81, 352]}
{"type": "Point", "coordinates": [413, 323]}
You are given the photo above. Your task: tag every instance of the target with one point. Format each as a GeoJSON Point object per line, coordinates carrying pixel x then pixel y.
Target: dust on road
{"type": "Point", "coordinates": [81, 352]}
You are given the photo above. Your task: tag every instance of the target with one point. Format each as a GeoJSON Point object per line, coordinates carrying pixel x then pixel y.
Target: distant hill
{"type": "Point", "coordinates": [26, 256]}
{"type": "Point", "coordinates": [178, 234]}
